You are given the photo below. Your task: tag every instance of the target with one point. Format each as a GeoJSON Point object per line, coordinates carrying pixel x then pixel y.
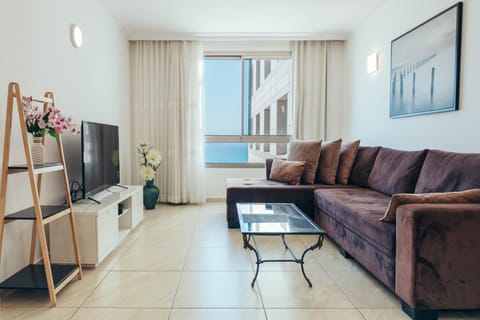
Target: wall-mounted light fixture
{"type": "Point", "coordinates": [76, 36]}
{"type": "Point", "coordinates": [372, 62]}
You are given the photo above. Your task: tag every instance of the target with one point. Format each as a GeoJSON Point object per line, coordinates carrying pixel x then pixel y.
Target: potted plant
{"type": "Point", "coordinates": [149, 160]}
{"type": "Point", "coordinates": [40, 123]}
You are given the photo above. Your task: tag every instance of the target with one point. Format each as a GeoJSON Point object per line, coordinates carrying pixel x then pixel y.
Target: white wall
{"type": "Point", "coordinates": [90, 83]}
{"type": "Point", "coordinates": [367, 96]}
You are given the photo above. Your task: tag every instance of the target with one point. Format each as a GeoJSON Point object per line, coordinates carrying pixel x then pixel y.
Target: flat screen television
{"type": "Point", "coordinates": [100, 157]}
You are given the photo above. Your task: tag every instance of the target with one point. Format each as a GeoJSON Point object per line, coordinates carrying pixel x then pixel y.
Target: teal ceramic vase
{"type": "Point", "coordinates": [150, 195]}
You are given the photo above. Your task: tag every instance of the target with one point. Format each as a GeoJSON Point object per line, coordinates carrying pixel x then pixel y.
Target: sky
{"type": "Point", "coordinates": [223, 97]}
{"type": "Point", "coordinates": [223, 112]}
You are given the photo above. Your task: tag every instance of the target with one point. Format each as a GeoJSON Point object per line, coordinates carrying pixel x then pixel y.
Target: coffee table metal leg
{"type": "Point", "coordinates": [258, 267]}
{"type": "Point", "coordinates": [318, 245]}
{"type": "Point", "coordinates": [284, 242]}
{"type": "Point", "coordinates": [246, 244]}
{"type": "Point", "coordinates": [246, 239]}
{"type": "Point", "coordinates": [301, 261]}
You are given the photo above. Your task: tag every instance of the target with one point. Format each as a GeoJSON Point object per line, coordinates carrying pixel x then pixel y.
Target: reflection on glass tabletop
{"type": "Point", "coordinates": [274, 218]}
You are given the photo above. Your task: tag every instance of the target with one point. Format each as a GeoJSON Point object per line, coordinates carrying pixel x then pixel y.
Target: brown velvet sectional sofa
{"type": "Point", "coordinates": [429, 256]}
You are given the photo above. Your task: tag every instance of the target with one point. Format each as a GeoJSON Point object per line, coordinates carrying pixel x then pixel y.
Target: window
{"type": "Point", "coordinates": [257, 129]}
{"type": "Point", "coordinates": [266, 128]}
{"type": "Point", "coordinates": [267, 67]}
{"type": "Point", "coordinates": [257, 74]}
{"type": "Point", "coordinates": [247, 118]}
{"type": "Point", "coordinates": [282, 125]}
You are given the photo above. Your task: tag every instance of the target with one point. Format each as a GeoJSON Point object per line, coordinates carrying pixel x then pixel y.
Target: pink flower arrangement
{"type": "Point", "coordinates": [52, 121]}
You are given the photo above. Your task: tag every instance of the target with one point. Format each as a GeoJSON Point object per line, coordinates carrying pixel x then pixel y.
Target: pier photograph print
{"type": "Point", "coordinates": [425, 66]}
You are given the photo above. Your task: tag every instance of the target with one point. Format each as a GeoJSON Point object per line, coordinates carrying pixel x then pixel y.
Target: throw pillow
{"type": "Point", "coordinates": [348, 153]}
{"type": "Point", "coordinates": [468, 196]}
{"type": "Point", "coordinates": [287, 171]}
{"type": "Point", "coordinates": [308, 151]}
{"type": "Point", "coordinates": [328, 162]}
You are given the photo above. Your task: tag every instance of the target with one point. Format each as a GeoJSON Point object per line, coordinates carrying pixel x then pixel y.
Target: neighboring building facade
{"type": "Point", "coordinates": [271, 106]}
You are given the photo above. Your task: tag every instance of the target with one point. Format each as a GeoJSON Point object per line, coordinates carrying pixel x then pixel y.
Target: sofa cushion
{"type": "Point", "coordinates": [287, 171]}
{"type": "Point", "coordinates": [348, 153]}
{"type": "Point", "coordinates": [328, 162]}
{"type": "Point", "coordinates": [363, 165]}
{"type": "Point", "coordinates": [396, 171]}
{"type": "Point", "coordinates": [308, 151]}
{"type": "Point", "coordinates": [360, 210]}
{"type": "Point", "coordinates": [449, 171]}
{"type": "Point", "coordinates": [468, 196]}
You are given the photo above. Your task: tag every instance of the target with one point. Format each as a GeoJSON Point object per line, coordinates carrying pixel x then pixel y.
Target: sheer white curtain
{"type": "Point", "coordinates": [167, 113]}
{"type": "Point", "coordinates": [318, 83]}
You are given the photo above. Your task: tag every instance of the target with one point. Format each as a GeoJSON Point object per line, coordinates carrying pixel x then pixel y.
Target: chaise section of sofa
{"type": "Point", "coordinates": [265, 190]}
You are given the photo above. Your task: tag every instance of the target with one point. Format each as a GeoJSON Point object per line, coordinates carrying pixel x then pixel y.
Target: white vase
{"type": "Point", "coordinates": [37, 151]}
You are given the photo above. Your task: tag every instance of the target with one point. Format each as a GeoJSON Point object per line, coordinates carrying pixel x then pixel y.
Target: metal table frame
{"type": "Point", "coordinates": [301, 261]}
{"type": "Point", "coordinates": [249, 233]}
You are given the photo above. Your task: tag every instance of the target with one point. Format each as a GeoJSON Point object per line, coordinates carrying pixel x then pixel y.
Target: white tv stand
{"type": "Point", "coordinates": [100, 227]}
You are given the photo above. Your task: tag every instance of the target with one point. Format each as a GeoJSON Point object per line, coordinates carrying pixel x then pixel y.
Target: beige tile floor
{"type": "Point", "coordinates": [183, 263]}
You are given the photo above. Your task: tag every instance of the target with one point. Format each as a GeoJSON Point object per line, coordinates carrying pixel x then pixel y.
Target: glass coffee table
{"type": "Point", "coordinates": [276, 219]}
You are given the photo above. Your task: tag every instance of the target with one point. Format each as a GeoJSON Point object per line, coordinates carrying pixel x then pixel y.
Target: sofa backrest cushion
{"type": "Point", "coordinates": [449, 171]}
{"type": "Point", "coordinates": [308, 151]}
{"type": "Point", "coordinates": [363, 165]}
{"type": "Point", "coordinates": [348, 153]}
{"type": "Point", "coordinates": [396, 171]}
{"type": "Point", "coordinates": [328, 162]}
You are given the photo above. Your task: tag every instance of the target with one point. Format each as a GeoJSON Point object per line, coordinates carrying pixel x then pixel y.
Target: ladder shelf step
{"type": "Point", "coordinates": [47, 212]}
{"type": "Point", "coordinates": [33, 276]}
{"type": "Point", "coordinates": [37, 168]}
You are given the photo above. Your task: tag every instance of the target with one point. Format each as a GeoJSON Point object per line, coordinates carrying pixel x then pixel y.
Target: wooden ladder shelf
{"type": "Point", "coordinates": [53, 277]}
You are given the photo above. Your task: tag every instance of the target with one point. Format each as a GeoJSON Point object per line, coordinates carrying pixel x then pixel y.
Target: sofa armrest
{"type": "Point", "coordinates": [268, 167]}
{"type": "Point", "coordinates": [438, 255]}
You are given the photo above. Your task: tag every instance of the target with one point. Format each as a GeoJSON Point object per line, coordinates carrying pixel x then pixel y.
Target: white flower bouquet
{"type": "Point", "coordinates": [149, 160]}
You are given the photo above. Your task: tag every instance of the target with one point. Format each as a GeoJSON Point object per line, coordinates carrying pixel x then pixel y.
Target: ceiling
{"type": "Point", "coordinates": [228, 19]}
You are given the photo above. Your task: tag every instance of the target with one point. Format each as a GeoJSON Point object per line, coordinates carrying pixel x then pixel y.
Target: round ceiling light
{"type": "Point", "coordinates": [76, 36]}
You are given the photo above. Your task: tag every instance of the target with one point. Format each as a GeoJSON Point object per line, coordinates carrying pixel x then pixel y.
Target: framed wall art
{"type": "Point", "coordinates": [425, 66]}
